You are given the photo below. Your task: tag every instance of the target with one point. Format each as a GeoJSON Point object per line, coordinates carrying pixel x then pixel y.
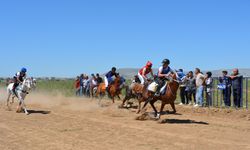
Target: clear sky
{"type": "Point", "coordinates": [65, 38]}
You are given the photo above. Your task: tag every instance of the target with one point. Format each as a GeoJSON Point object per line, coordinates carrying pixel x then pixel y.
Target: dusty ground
{"type": "Point", "coordinates": [81, 124]}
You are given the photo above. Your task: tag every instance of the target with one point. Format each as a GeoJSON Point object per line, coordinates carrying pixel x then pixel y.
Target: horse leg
{"type": "Point", "coordinates": [123, 101]}
{"type": "Point", "coordinates": [153, 106]}
{"type": "Point", "coordinates": [161, 110]}
{"type": "Point", "coordinates": [12, 99]}
{"type": "Point", "coordinates": [23, 106]}
{"type": "Point", "coordinates": [145, 104]}
{"type": "Point", "coordinates": [173, 107]}
{"type": "Point", "coordinates": [8, 99]}
{"type": "Point", "coordinates": [139, 107]}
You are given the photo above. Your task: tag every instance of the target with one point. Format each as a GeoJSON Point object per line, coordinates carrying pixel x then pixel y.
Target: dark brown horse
{"type": "Point", "coordinates": [113, 89]}
{"type": "Point", "coordinates": [168, 98]}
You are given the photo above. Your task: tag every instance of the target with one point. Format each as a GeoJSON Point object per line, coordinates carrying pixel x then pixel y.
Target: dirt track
{"type": "Point", "coordinates": [78, 123]}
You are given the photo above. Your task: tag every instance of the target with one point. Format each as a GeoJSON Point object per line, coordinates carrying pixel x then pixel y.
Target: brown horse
{"type": "Point", "coordinates": [168, 98]}
{"type": "Point", "coordinates": [137, 91]}
{"type": "Point", "coordinates": [113, 89]}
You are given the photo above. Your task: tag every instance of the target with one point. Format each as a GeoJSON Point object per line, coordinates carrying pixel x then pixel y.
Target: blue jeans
{"type": "Point", "coordinates": [199, 95]}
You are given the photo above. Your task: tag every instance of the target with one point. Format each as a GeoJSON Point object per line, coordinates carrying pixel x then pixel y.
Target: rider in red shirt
{"type": "Point", "coordinates": [142, 74]}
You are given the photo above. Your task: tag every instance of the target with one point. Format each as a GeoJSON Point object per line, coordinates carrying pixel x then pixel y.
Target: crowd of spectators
{"type": "Point", "coordinates": [197, 88]}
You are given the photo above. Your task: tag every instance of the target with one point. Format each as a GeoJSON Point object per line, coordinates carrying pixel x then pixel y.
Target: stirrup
{"type": "Point", "coordinates": [157, 94]}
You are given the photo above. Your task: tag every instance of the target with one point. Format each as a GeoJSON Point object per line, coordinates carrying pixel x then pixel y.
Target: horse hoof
{"type": "Point", "coordinates": [158, 116]}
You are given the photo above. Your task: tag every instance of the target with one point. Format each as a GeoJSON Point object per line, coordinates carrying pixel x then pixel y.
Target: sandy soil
{"type": "Point", "coordinates": [59, 123]}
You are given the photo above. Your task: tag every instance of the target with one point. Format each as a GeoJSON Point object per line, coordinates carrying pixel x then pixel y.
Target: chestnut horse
{"type": "Point", "coordinates": [113, 89]}
{"type": "Point", "coordinates": [137, 91]}
{"type": "Point", "coordinates": [168, 98]}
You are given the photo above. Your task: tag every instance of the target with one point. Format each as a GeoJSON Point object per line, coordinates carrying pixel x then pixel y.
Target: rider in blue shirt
{"type": "Point", "coordinates": [18, 78]}
{"type": "Point", "coordinates": [108, 77]}
{"type": "Point", "coordinates": [163, 75]}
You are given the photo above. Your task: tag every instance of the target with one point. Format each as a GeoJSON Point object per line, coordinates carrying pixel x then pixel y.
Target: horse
{"type": "Point", "coordinates": [168, 98]}
{"type": "Point", "coordinates": [138, 91]}
{"type": "Point", "coordinates": [10, 81]}
{"type": "Point", "coordinates": [113, 89]}
{"type": "Point", "coordinates": [21, 92]}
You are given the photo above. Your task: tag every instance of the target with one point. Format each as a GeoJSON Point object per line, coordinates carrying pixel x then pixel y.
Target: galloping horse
{"type": "Point", "coordinates": [135, 90]}
{"type": "Point", "coordinates": [168, 98]}
{"type": "Point", "coordinates": [113, 89]}
{"type": "Point", "coordinates": [21, 92]}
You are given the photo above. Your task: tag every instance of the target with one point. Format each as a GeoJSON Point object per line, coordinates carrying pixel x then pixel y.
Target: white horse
{"type": "Point", "coordinates": [21, 91]}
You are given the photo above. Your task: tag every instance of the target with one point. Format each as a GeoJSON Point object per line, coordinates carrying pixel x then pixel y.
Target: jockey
{"type": "Point", "coordinates": [142, 74]}
{"type": "Point", "coordinates": [98, 79]}
{"type": "Point", "coordinates": [18, 78]}
{"type": "Point", "coordinates": [122, 81]}
{"type": "Point", "coordinates": [163, 75]}
{"type": "Point", "coordinates": [108, 77]}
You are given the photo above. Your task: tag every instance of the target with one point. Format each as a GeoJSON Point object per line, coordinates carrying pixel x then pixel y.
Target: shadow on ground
{"type": "Point", "coordinates": [39, 112]}
{"type": "Point", "coordinates": [183, 121]}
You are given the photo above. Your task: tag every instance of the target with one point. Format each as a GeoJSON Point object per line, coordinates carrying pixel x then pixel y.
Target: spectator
{"type": "Point", "coordinates": [237, 81]}
{"type": "Point", "coordinates": [85, 79]}
{"type": "Point", "coordinates": [183, 93]}
{"type": "Point", "coordinates": [87, 86]}
{"type": "Point", "coordinates": [226, 84]}
{"type": "Point", "coordinates": [191, 88]}
{"type": "Point", "coordinates": [77, 86]}
{"type": "Point", "coordinates": [81, 84]}
{"type": "Point", "coordinates": [93, 84]}
{"type": "Point", "coordinates": [199, 81]}
{"type": "Point", "coordinates": [209, 88]}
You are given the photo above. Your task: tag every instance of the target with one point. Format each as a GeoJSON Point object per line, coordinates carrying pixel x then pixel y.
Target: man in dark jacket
{"type": "Point", "coordinates": [237, 81]}
{"type": "Point", "coordinates": [226, 81]}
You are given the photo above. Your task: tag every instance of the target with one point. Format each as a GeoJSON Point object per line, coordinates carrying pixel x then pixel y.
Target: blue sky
{"type": "Point", "coordinates": [66, 38]}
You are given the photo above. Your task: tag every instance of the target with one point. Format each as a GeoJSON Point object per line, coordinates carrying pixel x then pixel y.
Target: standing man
{"type": "Point", "coordinates": [183, 93]}
{"type": "Point", "coordinates": [226, 81]}
{"type": "Point", "coordinates": [191, 87]}
{"type": "Point", "coordinates": [209, 88]}
{"type": "Point", "coordinates": [199, 81]}
{"type": "Point", "coordinates": [77, 86]}
{"type": "Point", "coordinates": [237, 82]}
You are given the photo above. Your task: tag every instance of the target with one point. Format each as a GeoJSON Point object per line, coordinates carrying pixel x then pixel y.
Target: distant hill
{"type": "Point", "coordinates": [130, 72]}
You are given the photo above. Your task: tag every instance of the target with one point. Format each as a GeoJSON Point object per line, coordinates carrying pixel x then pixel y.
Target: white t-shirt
{"type": "Point", "coordinates": [199, 79]}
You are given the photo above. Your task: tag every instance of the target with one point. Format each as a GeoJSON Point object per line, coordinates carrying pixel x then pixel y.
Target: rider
{"type": "Point", "coordinates": [98, 79]}
{"type": "Point", "coordinates": [108, 78]}
{"type": "Point", "coordinates": [163, 75]}
{"type": "Point", "coordinates": [142, 74]}
{"type": "Point", "coordinates": [18, 78]}
{"type": "Point", "coordinates": [122, 81]}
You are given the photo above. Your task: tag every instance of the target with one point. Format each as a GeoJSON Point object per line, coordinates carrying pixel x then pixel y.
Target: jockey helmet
{"type": "Point", "coordinates": [113, 69]}
{"type": "Point", "coordinates": [149, 64]}
{"type": "Point", "coordinates": [166, 61]}
{"type": "Point", "coordinates": [24, 70]}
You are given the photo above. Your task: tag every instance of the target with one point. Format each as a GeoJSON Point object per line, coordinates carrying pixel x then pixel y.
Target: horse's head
{"type": "Point", "coordinates": [173, 79]}
{"type": "Point", "coordinates": [27, 84]}
{"type": "Point", "coordinates": [117, 80]}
